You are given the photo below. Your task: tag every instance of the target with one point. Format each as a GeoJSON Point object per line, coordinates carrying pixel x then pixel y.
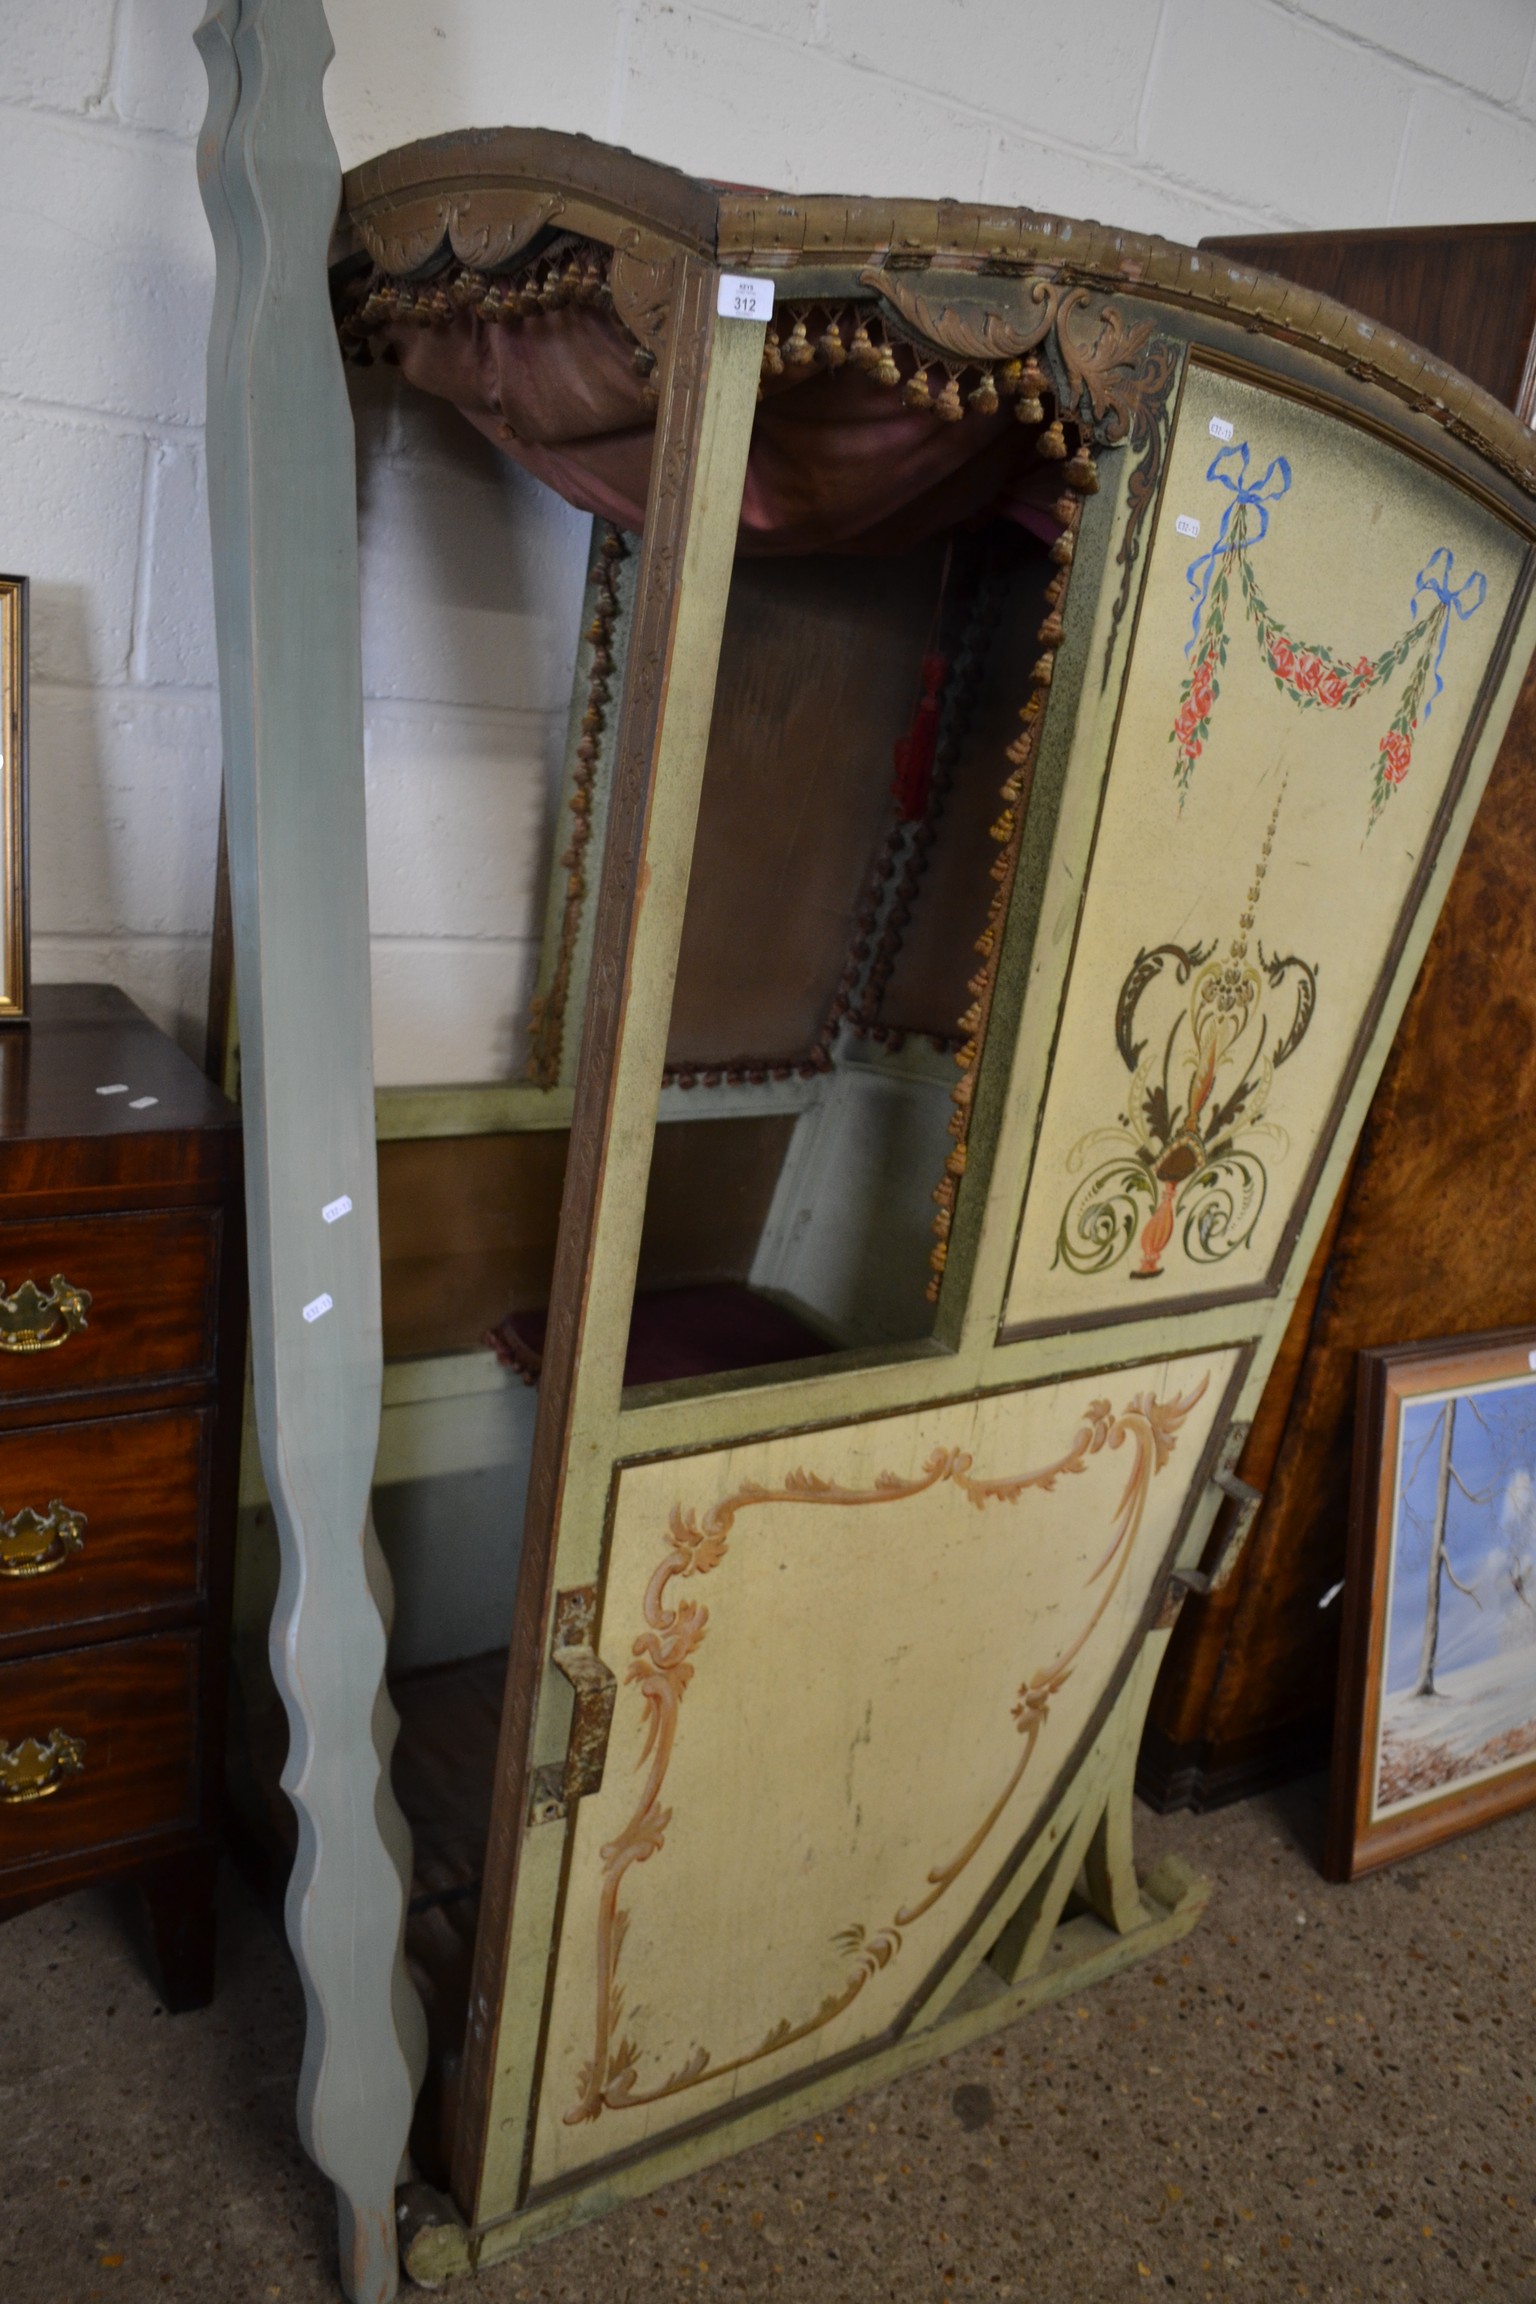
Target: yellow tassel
{"type": "Point", "coordinates": [1032, 382]}
{"type": "Point", "coordinates": [984, 398]}
{"type": "Point", "coordinates": [1053, 441]}
{"type": "Point", "coordinates": [947, 406]}
{"type": "Point", "coordinates": [797, 352]}
{"type": "Point", "coordinates": [1080, 473]}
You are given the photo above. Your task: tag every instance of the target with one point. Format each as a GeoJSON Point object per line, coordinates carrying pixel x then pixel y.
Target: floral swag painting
{"type": "Point", "coordinates": [1314, 677]}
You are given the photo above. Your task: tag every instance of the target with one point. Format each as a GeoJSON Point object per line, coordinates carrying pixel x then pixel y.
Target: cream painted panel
{"type": "Point", "coordinates": [852, 1664]}
{"type": "Point", "coordinates": [1319, 613]}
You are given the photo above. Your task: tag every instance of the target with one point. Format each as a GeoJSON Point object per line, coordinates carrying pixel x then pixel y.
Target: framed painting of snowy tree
{"type": "Point", "coordinates": [1436, 1727]}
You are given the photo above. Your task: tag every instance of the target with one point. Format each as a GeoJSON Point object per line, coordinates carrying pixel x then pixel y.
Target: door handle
{"type": "Point", "coordinates": [555, 1790]}
{"type": "Point", "coordinates": [1246, 1499]}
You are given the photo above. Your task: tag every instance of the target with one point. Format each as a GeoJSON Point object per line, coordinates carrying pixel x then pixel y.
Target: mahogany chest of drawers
{"type": "Point", "coordinates": [122, 1351]}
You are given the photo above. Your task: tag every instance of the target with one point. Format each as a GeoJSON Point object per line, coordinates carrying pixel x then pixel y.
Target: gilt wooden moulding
{"type": "Point", "coordinates": [1031, 693]}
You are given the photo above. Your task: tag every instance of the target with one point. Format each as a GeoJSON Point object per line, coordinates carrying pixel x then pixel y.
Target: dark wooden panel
{"type": "Point", "coordinates": [467, 1223]}
{"type": "Point", "coordinates": [133, 1704]}
{"type": "Point", "coordinates": [1464, 291]}
{"type": "Point", "coordinates": [707, 1202]}
{"type": "Point", "coordinates": [152, 1281]}
{"type": "Point", "coordinates": [166, 1126]}
{"type": "Point", "coordinates": [466, 1231]}
{"type": "Point", "coordinates": [820, 670]}
{"type": "Point", "coordinates": [139, 1481]}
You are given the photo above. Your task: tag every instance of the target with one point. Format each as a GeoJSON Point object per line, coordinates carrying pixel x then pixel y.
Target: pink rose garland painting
{"type": "Point", "coordinates": [1312, 675]}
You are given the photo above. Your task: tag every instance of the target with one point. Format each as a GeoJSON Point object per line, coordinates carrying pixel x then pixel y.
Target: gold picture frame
{"type": "Point", "coordinates": [15, 971]}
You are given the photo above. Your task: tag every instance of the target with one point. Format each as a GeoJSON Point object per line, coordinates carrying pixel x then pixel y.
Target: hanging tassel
{"type": "Point", "coordinates": [915, 751]}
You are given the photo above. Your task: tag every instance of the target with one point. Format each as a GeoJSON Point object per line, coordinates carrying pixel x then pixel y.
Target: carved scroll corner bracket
{"type": "Point", "coordinates": [642, 281]}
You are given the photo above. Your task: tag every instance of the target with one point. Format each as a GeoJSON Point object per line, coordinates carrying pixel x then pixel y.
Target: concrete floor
{"type": "Point", "coordinates": [1325, 2092]}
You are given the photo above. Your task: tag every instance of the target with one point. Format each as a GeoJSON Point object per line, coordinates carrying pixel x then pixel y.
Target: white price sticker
{"type": "Point", "coordinates": [1220, 428]}
{"type": "Point", "coordinates": [744, 299]}
{"type": "Point", "coordinates": [116, 1088]}
{"type": "Point", "coordinates": [317, 1310]}
{"type": "Point", "coordinates": [334, 1210]}
{"type": "Point", "coordinates": [1186, 526]}
{"type": "Point", "coordinates": [141, 1103]}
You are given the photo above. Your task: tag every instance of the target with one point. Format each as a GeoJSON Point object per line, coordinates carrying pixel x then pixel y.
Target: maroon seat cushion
{"type": "Point", "coordinates": [678, 1332]}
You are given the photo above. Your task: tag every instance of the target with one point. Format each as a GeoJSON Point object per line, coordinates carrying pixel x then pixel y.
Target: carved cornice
{"type": "Point", "coordinates": [414, 200]}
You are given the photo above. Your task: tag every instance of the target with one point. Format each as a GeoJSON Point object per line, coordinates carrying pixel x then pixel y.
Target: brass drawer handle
{"type": "Point", "coordinates": [33, 1322]}
{"type": "Point", "coordinates": [36, 1543]}
{"type": "Point", "coordinates": [33, 1771]}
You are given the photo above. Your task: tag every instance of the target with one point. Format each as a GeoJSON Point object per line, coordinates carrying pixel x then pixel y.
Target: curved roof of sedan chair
{"type": "Point", "coordinates": [923, 358]}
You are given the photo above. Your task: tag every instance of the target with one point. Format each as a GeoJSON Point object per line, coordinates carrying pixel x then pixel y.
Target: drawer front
{"type": "Point", "coordinates": [152, 1285]}
{"type": "Point", "coordinates": [99, 1517]}
{"type": "Point", "coordinates": [97, 1746]}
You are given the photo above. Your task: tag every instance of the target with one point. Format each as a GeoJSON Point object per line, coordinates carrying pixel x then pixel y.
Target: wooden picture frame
{"type": "Point", "coordinates": [1439, 1584]}
{"type": "Point", "coordinates": [14, 940]}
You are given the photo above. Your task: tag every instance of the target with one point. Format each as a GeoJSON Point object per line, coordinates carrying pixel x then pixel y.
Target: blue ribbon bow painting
{"type": "Point", "coordinates": [1312, 675]}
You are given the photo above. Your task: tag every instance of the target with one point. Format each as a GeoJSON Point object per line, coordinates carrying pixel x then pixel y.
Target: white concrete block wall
{"type": "Point", "coordinates": [1179, 116]}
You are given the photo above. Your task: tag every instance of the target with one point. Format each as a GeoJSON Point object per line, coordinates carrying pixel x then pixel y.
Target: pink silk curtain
{"type": "Point", "coordinates": [838, 462]}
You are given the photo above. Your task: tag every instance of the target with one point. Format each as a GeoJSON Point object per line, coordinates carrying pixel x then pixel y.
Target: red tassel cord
{"type": "Point", "coordinates": [916, 750]}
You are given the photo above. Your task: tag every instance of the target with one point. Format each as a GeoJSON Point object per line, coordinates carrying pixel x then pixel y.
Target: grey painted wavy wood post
{"type": "Point", "coordinates": [282, 497]}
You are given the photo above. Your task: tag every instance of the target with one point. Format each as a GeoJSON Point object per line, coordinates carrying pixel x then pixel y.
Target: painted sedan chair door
{"type": "Point", "coordinates": [829, 1759]}
{"type": "Point", "coordinates": [827, 1674]}
{"type": "Point", "coordinates": [874, 1629]}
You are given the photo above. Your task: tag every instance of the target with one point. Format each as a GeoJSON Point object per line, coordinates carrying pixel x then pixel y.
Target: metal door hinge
{"type": "Point", "coordinates": [555, 1790]}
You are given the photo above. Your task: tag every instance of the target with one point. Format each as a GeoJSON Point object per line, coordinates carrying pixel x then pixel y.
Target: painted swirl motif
{"type": "Point", "coordinates": [662, 1668]}
{"type": "Point", "coordinates": [1185, 1159]}
{"type": "Point", "coordinates": [1311, 675]}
